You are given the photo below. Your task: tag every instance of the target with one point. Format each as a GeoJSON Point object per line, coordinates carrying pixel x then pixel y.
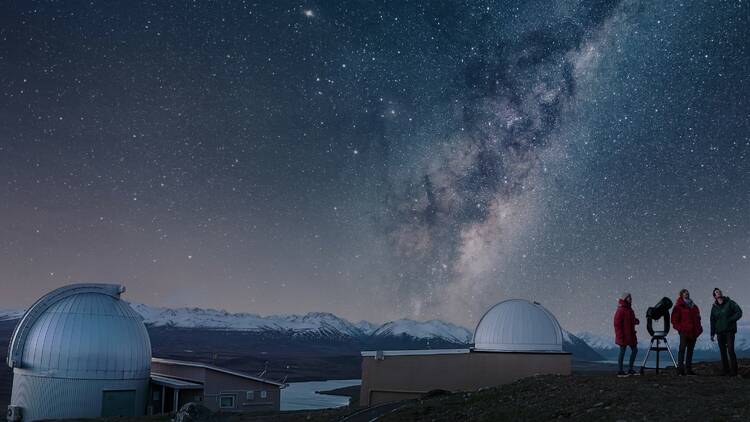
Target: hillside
{"type": "Point", "coordinates": [594, 397]}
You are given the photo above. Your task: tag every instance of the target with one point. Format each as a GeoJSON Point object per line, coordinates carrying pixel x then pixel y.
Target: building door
{"type": "Point", "coordinates": [118, 403]}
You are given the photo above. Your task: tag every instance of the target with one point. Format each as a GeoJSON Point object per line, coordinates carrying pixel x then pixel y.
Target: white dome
{"type": "Point", "coordinates": [82, 331]}
{"type": "Point", "coordinates": [517, 325]}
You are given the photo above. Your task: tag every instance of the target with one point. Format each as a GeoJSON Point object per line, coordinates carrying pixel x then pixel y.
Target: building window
{"type": "Point", "coordinates": [263, 394]}
{"type": "Point", "coordinates": [157, 395]}
{"type": "Point", "coordinates": [250, 395]}
{"type": "Point", "coordinates": [226, 402]}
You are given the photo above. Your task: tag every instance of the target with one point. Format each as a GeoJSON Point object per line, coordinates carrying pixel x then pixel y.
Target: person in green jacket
{"type": "Point", "coordinates": [724, 316]}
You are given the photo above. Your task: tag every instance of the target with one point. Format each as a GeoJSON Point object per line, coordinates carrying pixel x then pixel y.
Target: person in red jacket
{"type": "Point", "coordinates": [686, 319]}
{"type": "Point", "coordinates": [625, 322]}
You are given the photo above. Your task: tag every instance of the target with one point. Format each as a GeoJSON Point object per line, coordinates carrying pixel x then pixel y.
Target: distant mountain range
{"type": "Point", "coordinates": [704, 347]}
{"type": "Point", "coordinates": [321, 325]}
{"type": "Point", "coordinates": [10, 314]}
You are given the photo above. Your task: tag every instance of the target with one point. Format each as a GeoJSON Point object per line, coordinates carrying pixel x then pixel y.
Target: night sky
{"type": "Point", "coordinates": [377, 159]}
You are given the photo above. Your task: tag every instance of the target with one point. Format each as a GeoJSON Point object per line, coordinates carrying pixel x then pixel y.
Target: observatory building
{"type": "Point", "coordinates": [514, 339]}
{"type": "Point", "coordinates": [79, 352]}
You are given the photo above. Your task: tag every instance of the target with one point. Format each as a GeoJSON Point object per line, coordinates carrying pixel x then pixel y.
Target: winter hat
{"type": "Point", "coordinates": [625, 295]}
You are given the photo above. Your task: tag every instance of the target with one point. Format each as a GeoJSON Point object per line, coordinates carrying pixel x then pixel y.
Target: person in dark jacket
{"type": "Point", "coordinates": [625, 335]}
{"type": "Point", "coordinates": [724, 316]}
{"type": "Point", "coordinates": [686, 320]}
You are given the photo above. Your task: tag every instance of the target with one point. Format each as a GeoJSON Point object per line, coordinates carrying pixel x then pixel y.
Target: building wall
{"type": "Point", "coordinates": [403, 377]}
{"type": "Point", "coordinates": [61, 398]}
{"type": "Point", "coordinates": [218, 383]}
{"type": "Point", "coordinates": [166, 395]}
{"type": "Point", "coordinates": [187, 396]}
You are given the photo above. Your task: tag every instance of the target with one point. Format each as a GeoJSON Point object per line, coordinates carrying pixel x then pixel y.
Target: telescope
{"type": "Point", "coordinates": [660, 311]}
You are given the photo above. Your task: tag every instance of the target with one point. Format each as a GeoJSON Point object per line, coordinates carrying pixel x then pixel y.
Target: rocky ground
{"type": "Point", "coordinates": [595, 397]}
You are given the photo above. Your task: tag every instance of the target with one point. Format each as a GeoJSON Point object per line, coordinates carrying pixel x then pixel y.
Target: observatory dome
{"type": "Point", "coordinates": [82, 331]}
{"type": "Point", "coordinates": [79, 352]}
{"type": "Point", "coordinates": [517, 325]}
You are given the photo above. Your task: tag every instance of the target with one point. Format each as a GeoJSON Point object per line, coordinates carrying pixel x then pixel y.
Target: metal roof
{"type": "Point", "coordinates": [82, 331]}
{"type": "Point", "coordinates": [217, 369]}
{"type": "Point", "coordinates": [517, 325]}
{"type": "Point", "coordinates": [160, 379]}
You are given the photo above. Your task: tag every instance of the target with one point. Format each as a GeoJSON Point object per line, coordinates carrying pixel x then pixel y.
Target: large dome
{"type": "Point", "coordinates": [517, 325]}
{"type": "Point", "coordinates": [82, 331]}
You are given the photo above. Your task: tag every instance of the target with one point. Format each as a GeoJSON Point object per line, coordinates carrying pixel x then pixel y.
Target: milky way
{"type": "Point", "coordinates": [476, 198]}
{"type": "Point", "coordinates": [377, 160]}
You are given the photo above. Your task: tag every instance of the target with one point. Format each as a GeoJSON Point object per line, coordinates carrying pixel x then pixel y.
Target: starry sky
{"type": "Point", "coordinates": [378, 159]}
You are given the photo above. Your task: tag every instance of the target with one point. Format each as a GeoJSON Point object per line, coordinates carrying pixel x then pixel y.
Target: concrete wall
{"type": "Point", "coordinates": [409, 376]}
{"type": "Point", "coordinates": [60, 398]}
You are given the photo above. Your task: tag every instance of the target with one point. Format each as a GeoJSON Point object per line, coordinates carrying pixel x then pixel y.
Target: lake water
{"type": "Point", "coordinates": [303, 396]}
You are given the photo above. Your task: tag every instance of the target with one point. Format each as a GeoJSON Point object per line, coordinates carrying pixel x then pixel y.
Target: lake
{"type": "Point", "coordinates": [303, 396]}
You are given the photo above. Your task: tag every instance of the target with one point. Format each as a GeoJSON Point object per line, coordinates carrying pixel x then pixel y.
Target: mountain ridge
{"type": "Point", "coordinates": [320, 325]}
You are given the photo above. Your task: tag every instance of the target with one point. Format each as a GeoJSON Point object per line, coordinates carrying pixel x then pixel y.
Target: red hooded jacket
{"type": "Point", "coordinates": [625, 322]}
{"type": "Point", "coordinates": [686, 319]}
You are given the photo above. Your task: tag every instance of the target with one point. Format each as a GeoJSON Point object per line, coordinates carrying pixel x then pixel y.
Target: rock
{"type": "Point", "coordinates": [193, 412]}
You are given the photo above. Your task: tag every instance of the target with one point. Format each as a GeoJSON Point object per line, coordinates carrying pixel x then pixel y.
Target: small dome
{"type": "Point", "coordinates": [517, 325]}
{"type": "Point", "coordinates": [82, 331]}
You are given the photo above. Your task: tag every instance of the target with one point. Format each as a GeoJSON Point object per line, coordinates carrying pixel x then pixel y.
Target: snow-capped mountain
{"type": "Point", "coordinates": [598, 342]}
{"type": "Point", "coordinates": [319, 325]}
{"type": "Point", "coordinates": [311, 323]}
{"type": "Point", "coordinates": [327, 325]}
{"type": "Point", "coordinates": [367, 327]}
{"type": "Point", "coordinates": [10, 314]}
{"type": "Point", "coordinates": [427, 329]}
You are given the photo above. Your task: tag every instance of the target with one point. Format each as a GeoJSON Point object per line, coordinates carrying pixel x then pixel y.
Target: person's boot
{"type": "Point", "coordinates": [690, 372]}
{"type": "Point", "coordinates": [632, 372]}
{"type": "Point", "coordinates": [680, 371]}
{"type": "Point", "coordinates": [621, 374]}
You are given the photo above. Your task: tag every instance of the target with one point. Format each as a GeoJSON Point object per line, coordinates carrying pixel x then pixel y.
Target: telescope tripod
{"type": "Point", "coordinates": [658, 348]}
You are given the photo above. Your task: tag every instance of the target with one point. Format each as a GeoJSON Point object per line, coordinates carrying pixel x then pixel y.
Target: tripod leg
{"type": "Point", "coordinates": [670, 354]}
{"type": "Point", "coordinates": [643, 364]}
{"type": "Point", "coordinates": [658, 352]}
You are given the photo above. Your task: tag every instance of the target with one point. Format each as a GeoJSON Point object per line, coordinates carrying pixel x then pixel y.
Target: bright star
{"type": "Point", "coordinates": [309, 13]}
